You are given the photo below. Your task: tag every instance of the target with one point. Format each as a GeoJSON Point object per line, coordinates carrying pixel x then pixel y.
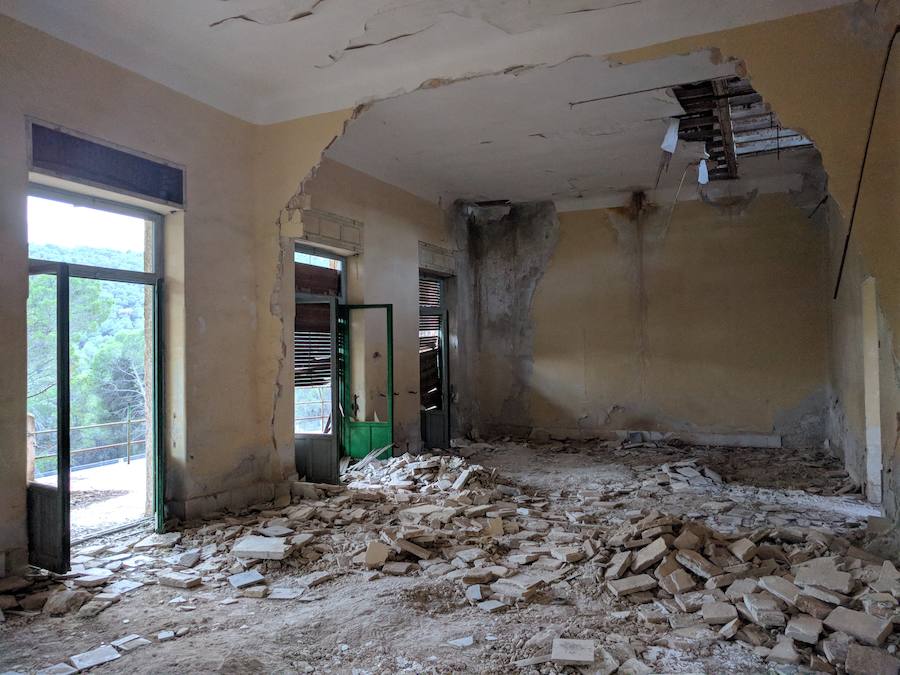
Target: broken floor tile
{"type": "Point", "coordinates": [95, 657]}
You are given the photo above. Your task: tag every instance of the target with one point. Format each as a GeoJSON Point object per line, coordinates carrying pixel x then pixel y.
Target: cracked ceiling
{"type": "Point", "coordinates": [274, 60]}
{"type": "Point", "coordinates": [582, 133]}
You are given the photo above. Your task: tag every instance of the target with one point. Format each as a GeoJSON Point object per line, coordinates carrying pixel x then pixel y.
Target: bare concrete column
{"type": "Point", "coordinates": [30, 443]}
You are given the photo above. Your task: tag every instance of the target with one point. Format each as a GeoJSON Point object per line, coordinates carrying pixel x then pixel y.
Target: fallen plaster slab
{"type": "Point", "coordinates": [729, 440]}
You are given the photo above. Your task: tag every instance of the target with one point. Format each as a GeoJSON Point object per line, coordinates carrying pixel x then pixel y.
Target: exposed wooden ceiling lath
{"type": "Point", "coordinates": [732, 119]}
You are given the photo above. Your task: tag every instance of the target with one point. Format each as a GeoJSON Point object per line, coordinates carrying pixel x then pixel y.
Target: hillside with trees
{"type": "Point", "coordinates": [107, 355]}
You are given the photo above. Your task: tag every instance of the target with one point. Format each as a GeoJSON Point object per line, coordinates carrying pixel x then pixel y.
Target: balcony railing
{"type": "Point", "coordinates": [129, 442]}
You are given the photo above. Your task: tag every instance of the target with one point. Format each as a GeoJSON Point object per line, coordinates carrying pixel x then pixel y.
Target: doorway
{"type": "Point", "coordinates": [434, 383]}
{"type": "Point", "coordinates": [94, 376]}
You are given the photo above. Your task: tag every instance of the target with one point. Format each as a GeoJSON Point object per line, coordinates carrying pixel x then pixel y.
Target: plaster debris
{"type": "Point", "coordinates": [669, 553]}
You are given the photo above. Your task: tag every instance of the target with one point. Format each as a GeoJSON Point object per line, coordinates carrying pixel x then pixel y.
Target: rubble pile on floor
{"type": "Point", "coordinates": [791, 594]}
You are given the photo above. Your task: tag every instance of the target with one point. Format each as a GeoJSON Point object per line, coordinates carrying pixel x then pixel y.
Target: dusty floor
{"type": "Point", "coordinates": [403, 623]}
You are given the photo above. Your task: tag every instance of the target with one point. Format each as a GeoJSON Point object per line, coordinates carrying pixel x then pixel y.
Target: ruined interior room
{"type": "Point", "coordinates": [496, 336]}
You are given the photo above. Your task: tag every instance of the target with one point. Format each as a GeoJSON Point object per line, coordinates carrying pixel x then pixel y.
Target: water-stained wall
{"type": "Point", "coordinates": [595, 321]}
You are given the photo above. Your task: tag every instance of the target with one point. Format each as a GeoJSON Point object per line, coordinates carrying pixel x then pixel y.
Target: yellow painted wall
{"type": "Point", "coordinates": [394, 221]}
{"type": "Point", "coordinates": [820, 73]}
{"type": "Point", "coordinates": [718, 326]}
{"type": "Point", "coordinates": [222, 253]}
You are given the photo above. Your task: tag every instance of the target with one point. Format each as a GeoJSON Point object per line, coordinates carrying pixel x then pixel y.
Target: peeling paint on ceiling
{"type": "Point", "coordinates": [274, 60]}
{"type": "Point", "coordinates": [516, 136]}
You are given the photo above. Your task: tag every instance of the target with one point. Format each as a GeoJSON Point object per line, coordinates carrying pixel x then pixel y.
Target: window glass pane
{"type": "Point", "coordinates": [317, 260]}
{"type": "Point", "coordinates": [86, 236]}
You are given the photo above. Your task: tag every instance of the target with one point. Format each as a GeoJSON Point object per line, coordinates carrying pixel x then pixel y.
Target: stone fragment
{"type": "Point", "coordinates": [284, 593]}
{"type": "Point", "coordinates": [742, 549]}
{"type": "Point", "coordinates": [63, 602]}
{"type": "Point", "coordinates": [629, 585]}
{"type": "Point", "coordinates": [470, 555]}
{"type": "Point", "coordinates": [824, 576]}
{"type": "Point", "coordinates": [92, 608]}
{"type": "Point", "coordinates": [188, 558]}
{"type": "Point", "coordinates": [678, 581]}
{"type": "Point", "coordinates": [491, 606]}
{"type": "Point", "coordinates": [462, 642]}
{"type": "Point", "coordinates": [167, 540]}
{"type": "Point", "coordinates": [649, 555]}
{"type": "Point", "coordinates": [398, 568]}
{"type": "Point", "coordinates": [740, 588]}
{"type": "Point", "coordinates": [376, 554]}
{"type": "Point", "coordinates": [730, 629]}
{"type": "Point", "coordinates": [812, 606]}
{"type": "Point", "coordinates": [781, 588]}
{"type": "Point", "coordinates": [94, 657]}
{"type": "Point", "coordinates": [57, 669]}
{"type": "Point", "coordinates": [835, 648]}
{"type": "Point", "coordinates": [568, 554]}
{"type": "Point", "coordinates": [315, 578]}
{"type": "Point", "coordinates": [804, 628]}
{"type": "Point", "coordinates": [95, 576]}
{"type": "Point", "coordinates": [819, 665]}
{"type": "Point", "coordinates": [718, 613]}
{"type": "Point", "coordinates": [634, 666]}
{"type": "Point", "coordinates": [784, 652]}
{"type": "Point", "coordinates": [259, 547]}
{"type": "Point", "coordinates": [865, 628]}
{"type": "Point", "coordinates": [245, 579]}
{"type": "Point", "coordinates": [566, 651]}
{"type": "Point", "coordinates": [618, 565]}
{"type": "Point", "coordinates": [764, 610]}
{"type": "Point", "coordinates": [123, 586]}
{"type": "Point", "coordinates": [179, 579]}
{"type": "Point", "coordinates": [165, 635]}
{"type": "Point", "coordinates": [257, 592]}
{"type": "Point", "coordinates": [130, 642]}
{"type": "Point", "coordinates": [870, 661]}
{"type": "Point", "coordinates": [413, 549]}
{"type": "Point", "coordinates": [687, 541]}
{"type": "Point", "coordinates": [275, 531]}
{"type": "Point", "coordinates": [697, 564]}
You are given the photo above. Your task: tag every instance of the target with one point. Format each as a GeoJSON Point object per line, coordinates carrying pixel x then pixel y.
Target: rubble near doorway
{"type": "Point", "coordinates": [492, 557]}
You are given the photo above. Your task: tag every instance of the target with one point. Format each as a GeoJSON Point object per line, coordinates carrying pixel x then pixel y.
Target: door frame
{"type": "Point", "coordinates": [152, 280]}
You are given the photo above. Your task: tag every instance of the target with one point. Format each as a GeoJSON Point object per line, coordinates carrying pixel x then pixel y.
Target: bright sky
{"type": "Point", "coordinates": [51, 222]}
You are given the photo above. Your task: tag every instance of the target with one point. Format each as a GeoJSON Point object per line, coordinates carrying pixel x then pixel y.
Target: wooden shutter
{"type": "Point", "coordinates": [312, 345]}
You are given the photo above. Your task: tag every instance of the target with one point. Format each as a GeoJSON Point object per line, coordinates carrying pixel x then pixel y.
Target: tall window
{"type": "Point", "coordinates": [317, 279]}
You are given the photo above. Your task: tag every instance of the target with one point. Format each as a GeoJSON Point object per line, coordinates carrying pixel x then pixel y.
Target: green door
{"type": "Point", "coordinates": [366, 379]}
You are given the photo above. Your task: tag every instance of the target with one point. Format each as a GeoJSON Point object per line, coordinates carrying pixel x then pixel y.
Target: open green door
{"type": "Point", "coordinates": [365, 336]}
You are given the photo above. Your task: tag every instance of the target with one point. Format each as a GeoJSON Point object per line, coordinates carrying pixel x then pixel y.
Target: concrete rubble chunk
{"type": "Point", "coordinates": [629, 585]}
{"type": "Point", "coordinates": [677, 582]}
{"type": "Point", "coordinates": [784, 652]}
{"type": "Point", "coordinates": [870, 661]}
{"type": "Point", "coordinates": [742, 549]}
{"type": "Point", "coordinates": [634, 666]}
{"type": "Point", "coordinates": [262, 548]}
{"type": "Point", "coordinates": [812, 606]}
{"type": "Point", "coordinates": [865, 628]}
{"type": "Point", "coordinates": [95, 576]}
{"type": "Point", "coordinates": [165, 635]}
{"type": "Point", "coordinates": [836, 647]}
{"type": "Point", "coordinates": [649, 555]}
{"type": "Point", "coordinates": [804, 628]}
{"type": "Point", "coordinates": [245, 579]}
{"type": "Point", "coordinates": [730, 629]}
{"type": "Point", "coordinates": [718, 613]}
{"type": "Point", "coordinates": [95, 657]}
{"type": "Point", "coordinates": [413, 549]}
{"type": "Point", "coordinates": [491, 606]}
{"type": "Point", "coordinates": [571, 652]}
{"type": "Point", "coordinates": [824, 576]}
{"type": "Point", "coordinates": [697, 564]}
{"type": "Point", "coordinates": [376, 554]}
{"type": "Point", "coordinates": [315, 578]}
{"type": "Point", "coordinates": [781, 588]}
{"type": "Point", "coordinates": [57, 669]}
{"type": "Point", "coordinates": [179, 579]}
{"type": "Point", "coordinates": [462, 642]}
{"type": "Point", "coordinates": [65, 601]}
{"type": "Point", "coordinates": [167, 540]}
{"type": "Point", "coordinates": [764, 610]}
{"type": "Point", "coordinates": [618, 565]}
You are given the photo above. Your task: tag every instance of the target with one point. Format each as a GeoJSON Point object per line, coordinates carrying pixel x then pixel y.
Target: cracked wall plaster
{"type": "Point", "coordinates": [283, 11]}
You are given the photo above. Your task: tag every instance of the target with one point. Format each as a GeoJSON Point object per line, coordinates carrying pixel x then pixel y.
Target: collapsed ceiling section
{"type": "Point", "coordinates": [584, 133]}
{"type": "Point", "coordinates": [733, 121]}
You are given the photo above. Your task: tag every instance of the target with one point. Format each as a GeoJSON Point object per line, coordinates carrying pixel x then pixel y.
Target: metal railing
{"type": "Point", "coordinates": [127, 443]}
